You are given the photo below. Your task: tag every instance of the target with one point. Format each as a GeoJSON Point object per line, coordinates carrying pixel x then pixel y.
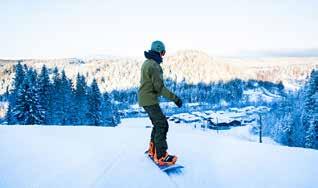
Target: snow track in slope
{"type": "Point", "coordinates": [109, 167]}
{"type": "Point", "coordinates": [135, 166]}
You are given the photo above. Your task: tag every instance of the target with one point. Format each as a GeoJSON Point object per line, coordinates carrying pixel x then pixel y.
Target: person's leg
{"type": "Point", "coordinates": [151, 148]}
{"type": "Point", "coordinates": [153, 132]}
{"type": "Point", "coordinates": [161, 126]}
{"type": "Point", "coordinates": [148, 111]}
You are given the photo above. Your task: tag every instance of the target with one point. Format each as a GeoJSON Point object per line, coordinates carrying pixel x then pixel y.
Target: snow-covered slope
{"type": "Point", "coordinates": [52, 156]}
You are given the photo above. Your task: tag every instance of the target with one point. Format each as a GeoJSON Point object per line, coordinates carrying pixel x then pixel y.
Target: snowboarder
{"type": "Point", "coordinates": [152, 87]}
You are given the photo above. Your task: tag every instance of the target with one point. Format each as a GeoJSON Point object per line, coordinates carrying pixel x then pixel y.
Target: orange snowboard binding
{"type": "Point", "coordinates": [165, 160]}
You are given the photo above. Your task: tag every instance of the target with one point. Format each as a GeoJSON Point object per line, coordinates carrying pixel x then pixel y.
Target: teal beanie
{"type": "Point", "coordinates": [158, 46]}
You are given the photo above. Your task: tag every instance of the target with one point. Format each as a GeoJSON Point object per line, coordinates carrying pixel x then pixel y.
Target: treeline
{"type": "Point", "coordinates": [39, 99]}
{"type": "Point", "coordinates": [294, 120]}
{"type": "Point", "coordinates": [211, 93]}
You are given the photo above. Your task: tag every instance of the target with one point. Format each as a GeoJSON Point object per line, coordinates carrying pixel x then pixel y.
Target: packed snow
{"type": "Point", "coordinates": [89, 156]}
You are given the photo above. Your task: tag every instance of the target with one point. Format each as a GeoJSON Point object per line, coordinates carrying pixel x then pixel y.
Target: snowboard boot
{"type": "Point", "coordinates": [151, 149]}
{"type": "Point", "coordinates": [165, 160]}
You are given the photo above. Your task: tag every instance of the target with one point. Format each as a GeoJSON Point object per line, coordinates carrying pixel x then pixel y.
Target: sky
{"type": "Point", "coordinates": [78, 28]}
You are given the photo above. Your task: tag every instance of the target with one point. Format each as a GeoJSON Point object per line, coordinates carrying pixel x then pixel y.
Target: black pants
{"type": "Point", "coordinates": [159, 130]}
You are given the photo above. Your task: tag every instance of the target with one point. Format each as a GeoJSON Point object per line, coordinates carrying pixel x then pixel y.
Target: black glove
{"type": "Point", "coordinates": [178, 102]}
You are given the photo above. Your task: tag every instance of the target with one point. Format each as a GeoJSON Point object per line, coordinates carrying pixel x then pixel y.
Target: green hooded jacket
{"type": "Point", "coordinates": [151, 84]}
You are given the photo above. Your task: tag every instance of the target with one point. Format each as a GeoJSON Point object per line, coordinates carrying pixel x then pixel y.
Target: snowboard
{"type": "Point", "coordinates": [176, 168]}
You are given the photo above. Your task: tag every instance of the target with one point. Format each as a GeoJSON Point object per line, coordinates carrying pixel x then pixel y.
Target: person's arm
{"type": "Point", "coordinates": [159, 85]}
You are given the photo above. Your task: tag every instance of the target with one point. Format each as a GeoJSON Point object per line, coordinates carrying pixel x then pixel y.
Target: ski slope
{"type": "Point", "coordinates": [83, 157]}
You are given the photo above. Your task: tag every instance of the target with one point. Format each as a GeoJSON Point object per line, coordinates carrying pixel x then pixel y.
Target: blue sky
{"type": "Point", "coordinates": [39, 29]}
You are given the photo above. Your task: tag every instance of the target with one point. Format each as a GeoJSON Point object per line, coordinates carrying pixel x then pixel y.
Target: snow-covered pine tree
{"type": "Point", "coordinates": [309, 109]}
{"type": "Point", "coordinates": [279, 122]}
{"type": "Point", "coordinates": [18, 77]}
{"type": "Point", "coordinates": [310, 88]}
{"type": "Point", "coordinates": [45, 93]}
{"type": "Point", "coordinates": [73, 116]}
{"type": "Point", "coordinates": [295, 107]}
{"type": "Point", "coordinates": [33, 76]}
{"type": "Point", "coordinates": [28, 110]}
{"type": "Point", "coordinates": [25, 68]}
{"type": "Point", "coordinates": [94, 105]}
{"type": "Point", "coordinates": [57, 104]}
{"type": "Point", "coordinates": [312, 132]}
{"type": "Point", "coordinates": [12, 96]}
{"type": "Point", "coordinates": [81, 99]}
{"type": "Point", "coordinates": [67, 99]}
{"type": "Point", "coordinates": [107, 110]}
{"type": "Point", "coordinates": [286, 130]}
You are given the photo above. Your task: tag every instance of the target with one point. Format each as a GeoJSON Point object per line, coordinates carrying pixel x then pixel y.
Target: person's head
{"type": "Point", "coordinates": [159, 47]}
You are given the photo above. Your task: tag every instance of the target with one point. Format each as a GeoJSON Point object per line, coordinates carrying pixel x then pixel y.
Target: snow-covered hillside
{"type": "Point", "coordinates": [260, 94]}
{"type": "Point", "coordinates": [122, 73]}
{"type": "Point", "coordinates": [83, 156]}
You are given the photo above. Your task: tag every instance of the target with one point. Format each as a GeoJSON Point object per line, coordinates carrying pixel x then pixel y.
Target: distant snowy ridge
{"type": "Point", "coordinates": [192, 66]}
